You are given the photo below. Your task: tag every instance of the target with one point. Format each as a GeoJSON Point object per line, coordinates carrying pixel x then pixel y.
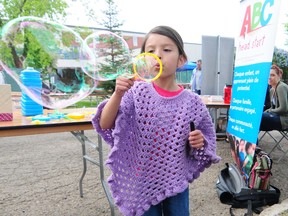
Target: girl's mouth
{"type": "Point", "coordinates": [157, 66]}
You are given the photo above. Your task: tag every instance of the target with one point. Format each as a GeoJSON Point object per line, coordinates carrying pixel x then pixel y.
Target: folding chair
{"type": "Point", "coordinates": [284, 136]}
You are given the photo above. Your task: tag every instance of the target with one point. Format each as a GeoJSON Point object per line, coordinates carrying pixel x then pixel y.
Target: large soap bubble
{"type": "Point", "coordinates": [112, 56]}
{"type": "Point", "coordinates": [56, 52]}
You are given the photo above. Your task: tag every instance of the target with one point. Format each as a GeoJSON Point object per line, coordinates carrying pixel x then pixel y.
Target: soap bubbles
{"type": "Point", "coordinates": [112, 56]}
{"type": "Point", "coordinates": [68, 66]}
{"type": "Point", "coordinates": [57, 52]}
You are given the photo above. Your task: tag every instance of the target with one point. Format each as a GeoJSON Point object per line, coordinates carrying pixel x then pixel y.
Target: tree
{"type": "Point", "coordinates": [115, 55]}
{"type": "Point", "coordinates": [111, 21]}
{"type": "Point", "coordinates": [280, 57]}
{"type": "Point", "coordinates": [17, 8]}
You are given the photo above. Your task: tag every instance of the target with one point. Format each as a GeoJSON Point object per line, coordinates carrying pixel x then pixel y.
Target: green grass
{"type": "Point", "coordinates": [86, 103]}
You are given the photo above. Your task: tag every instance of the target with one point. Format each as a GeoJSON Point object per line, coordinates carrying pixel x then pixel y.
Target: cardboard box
{"type": "Point", "coordinates": [6, 113]}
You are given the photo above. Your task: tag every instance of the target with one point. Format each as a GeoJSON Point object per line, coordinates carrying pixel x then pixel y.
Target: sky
{"type": "Point", "coordinates": [192, 19]}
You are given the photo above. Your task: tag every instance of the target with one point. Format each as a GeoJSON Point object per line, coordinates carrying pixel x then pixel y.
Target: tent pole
{"type": "Point", "coordinates": [218, 66]}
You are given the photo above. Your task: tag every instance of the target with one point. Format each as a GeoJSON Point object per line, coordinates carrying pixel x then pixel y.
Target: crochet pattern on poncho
{"type": "Point", "coordinates": [149, 158]}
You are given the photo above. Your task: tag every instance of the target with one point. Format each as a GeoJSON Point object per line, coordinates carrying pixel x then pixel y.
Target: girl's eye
{"type": "Point", "coordinates": [150, 51]}
{"type": "Point", "coordinates": [167, 50]}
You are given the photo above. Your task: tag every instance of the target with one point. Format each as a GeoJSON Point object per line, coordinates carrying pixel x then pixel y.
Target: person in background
{"type": "Point", "coordinates": [234, 148]}
{"type": "Point", "coordinates": [147, 125]}
{"type": "Point", "coordinates": [196, 78]}
{"type": "Point", "coordinates": [276, 117]}
{"type": "Point", "coordinates": [242, 152]}
{"type": "Point", "coordinates": [247, 164]}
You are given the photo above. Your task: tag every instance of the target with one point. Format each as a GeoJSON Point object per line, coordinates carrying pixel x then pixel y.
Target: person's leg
{"type": "Point", "coordinates": [154, 210]}
{"type": "Point", "coordinates": [177, 205]}
{"type": "Point", "coordinates": [270, 122]}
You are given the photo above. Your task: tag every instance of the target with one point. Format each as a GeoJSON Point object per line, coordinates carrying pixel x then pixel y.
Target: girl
{"type": "Point", "coordinates": [147, 126]}
{"type": "Point", "coordinates": [276, 117]}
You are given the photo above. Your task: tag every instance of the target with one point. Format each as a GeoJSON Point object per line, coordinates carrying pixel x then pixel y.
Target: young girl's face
{"type": "Point", "coordinates": [167, 51]}
{"type": "Point", "coordinates": [242, 145]}
{"type": "Point", "coordinates": [251, 149]}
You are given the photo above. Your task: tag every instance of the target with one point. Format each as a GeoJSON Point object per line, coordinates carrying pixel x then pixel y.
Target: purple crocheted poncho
{"type": "Point", "coordinates": [149, 158]}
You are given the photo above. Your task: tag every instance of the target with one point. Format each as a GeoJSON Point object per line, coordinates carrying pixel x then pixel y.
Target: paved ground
{"type": "Point", "coordinates": [39, 175]}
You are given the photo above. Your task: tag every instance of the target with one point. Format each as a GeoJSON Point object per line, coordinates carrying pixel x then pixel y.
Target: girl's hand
{"type": "Point", "coordinates": [196, 139]}
{"type": "Point", "coordinates": [122, 85]}
{"type": "Point", "coordinates": [111, 108]}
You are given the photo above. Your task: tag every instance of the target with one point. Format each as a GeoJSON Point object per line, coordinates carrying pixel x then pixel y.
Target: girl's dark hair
{"type": "Point", "coordinates": [170, 33]}
{"type": "Point", "coordinates": [237, 146]}
{"type": "Point", "coordinates": [231, 142]}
